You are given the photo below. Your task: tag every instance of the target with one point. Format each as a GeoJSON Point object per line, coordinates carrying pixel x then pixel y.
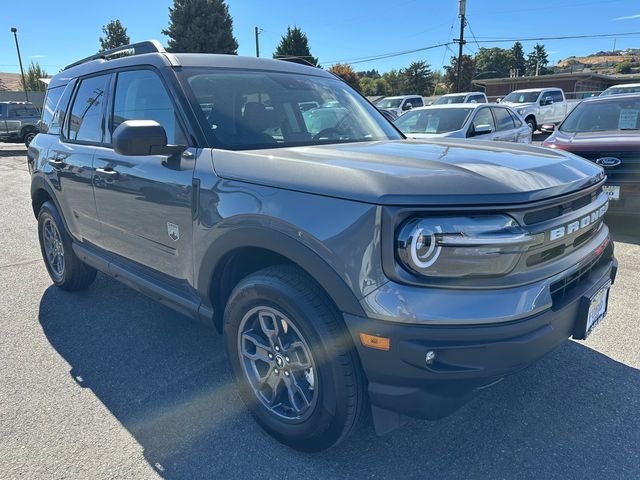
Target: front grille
{"type": "Point", "coordinates": [562, 288]}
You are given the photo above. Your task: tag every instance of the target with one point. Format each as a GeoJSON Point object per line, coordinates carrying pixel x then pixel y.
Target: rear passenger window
{"type": "Point", "coordinates": [503, 119]}
{"type": "Point", "coordinates": [85, 120]}
{"type": "Point", "coordinates": [516, 121]}
{"type": "Point", "coordinates": [140, 95]}
{"type": "Point", "coordinates": [557, 96]}
{"type": "Point", "coordinates": [53, 96]}
{"type": "Point", "coordinates": [59, 112]}
{"type": "Point", "coordinates": [22, 111]}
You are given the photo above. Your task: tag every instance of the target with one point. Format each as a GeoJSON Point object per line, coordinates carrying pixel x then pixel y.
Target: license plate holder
{"type": "Point", "coordinates": [613, 191]}
{"type": "Point", "coordinates": [593, 309]}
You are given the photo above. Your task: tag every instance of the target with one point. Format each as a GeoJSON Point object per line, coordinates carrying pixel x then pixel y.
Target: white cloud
{"type": "Point", "coordinates": [628, 17]}
{"type": "Point", "coordinates": [37, 56]}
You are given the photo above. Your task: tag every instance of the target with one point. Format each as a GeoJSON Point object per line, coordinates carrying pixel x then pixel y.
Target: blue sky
{"type": "Point", "coordinates": [56, 33]}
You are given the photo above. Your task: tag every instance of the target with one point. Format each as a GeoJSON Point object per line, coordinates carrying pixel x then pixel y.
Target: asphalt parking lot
{"type": "Point", "coordinates": [108, 384]}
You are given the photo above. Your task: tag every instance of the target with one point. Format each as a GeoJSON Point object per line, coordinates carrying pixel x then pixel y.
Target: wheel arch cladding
{"type": "Point", "coordinates": [243, 251]}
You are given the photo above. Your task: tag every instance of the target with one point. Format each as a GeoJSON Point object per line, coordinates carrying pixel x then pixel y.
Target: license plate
{"type": "Point", "coordinates": [597, 308]}
{"type": "Point", "coordinates": [612, 191]}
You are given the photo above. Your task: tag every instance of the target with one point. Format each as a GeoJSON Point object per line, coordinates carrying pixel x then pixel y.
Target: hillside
{"type": "Point", "coordinates": [10, 82]}
{"type": "Point", "coordinates": [602, 63]}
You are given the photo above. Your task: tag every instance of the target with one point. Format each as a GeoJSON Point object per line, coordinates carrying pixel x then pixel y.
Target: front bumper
{"type": "Point", "coordinates": [467, 357]}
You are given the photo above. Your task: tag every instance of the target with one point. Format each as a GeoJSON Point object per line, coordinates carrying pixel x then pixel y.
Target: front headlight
{"type": "Point", "coordinates": [460, 246]}
{"type": "Point", "coordinates": [520, 110]}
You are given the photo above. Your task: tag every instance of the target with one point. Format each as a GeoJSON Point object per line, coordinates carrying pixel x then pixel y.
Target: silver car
{"type": "Point", "coordinates": [465, 120]}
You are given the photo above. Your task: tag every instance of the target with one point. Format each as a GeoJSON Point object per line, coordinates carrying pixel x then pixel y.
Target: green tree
{"type": "Point", "coordinates": [394, 81]}
{"type": "Point", "coordinates": [537, 61]}
{"type": "Point", "coordinates": [373, 87]}
{"type": "Point", "coordinates": [418, 78]}
{"type": "Point", "coordinates": [200, 26]}
{"type": "Point", "coordinates": [468, 71]}
{"type": "Point", "coordinates": [294, 45]}
{"type": "Point", "coordinates": [115, 35]}
{"type": "Point", "coordinates": [346, 73]}
{"type": "Point", "coordinates": [493, 62]}
{"type": "Point", "coordinates": [623, 67]}
{"type": "Point", "coordinates": [517, 55]}
{"type": "Point", "coordinates": [32, 78]}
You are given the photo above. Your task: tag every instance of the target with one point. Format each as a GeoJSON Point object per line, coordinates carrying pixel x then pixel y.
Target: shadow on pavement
{"type": "Point", "coordinates": [624, 229]}
{"type": "Point", "coordinates": [13, 152]}
{"type": "Point", "coordinates": [574, 414]}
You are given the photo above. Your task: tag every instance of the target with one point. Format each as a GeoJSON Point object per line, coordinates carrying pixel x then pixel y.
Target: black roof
{"type": "Point", "coordinates": [97, 63]}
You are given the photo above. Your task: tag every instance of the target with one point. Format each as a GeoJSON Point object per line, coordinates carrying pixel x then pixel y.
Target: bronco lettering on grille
{"type": "Point", "coordinates": [578, 224]}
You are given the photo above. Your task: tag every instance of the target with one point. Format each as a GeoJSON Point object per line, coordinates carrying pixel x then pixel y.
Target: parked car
{"type": "Point", "coordinates": [400, 104]}
{"type": "Point", "coordinates": [539, 106]}
{"type": "Point", "coordinates": [468, 97]}
{"type": "Point", "coordinates": [465, 120]}
{"type": "Point", "coordinates": [621, 89]}
{"type": "Point", "coordinates": [18, 122]}
{"type": "Point", "coordinates": [388, 115]}
{"type": "Point", "coordinates": [349, 270]}
{"type": "Point", "coordinates": [606, 130]}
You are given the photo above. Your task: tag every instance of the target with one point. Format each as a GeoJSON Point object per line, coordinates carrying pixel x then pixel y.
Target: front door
{"type": "Point", "coordinates": [483, 116]}
{"type": "Point", "coordinates": [144, 202]}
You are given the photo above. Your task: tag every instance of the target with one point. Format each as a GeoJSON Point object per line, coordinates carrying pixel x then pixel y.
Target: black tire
{"type": "Point", "coordinates": [74, 273]}
{"type": "Point", "coordinates": [532, 124]}
{"type": "Point", "coordinates": [340, 388]}
{"type": "Point", "coordinates": [28, 137]}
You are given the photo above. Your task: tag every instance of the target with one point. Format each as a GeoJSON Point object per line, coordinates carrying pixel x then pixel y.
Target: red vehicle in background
{"type": "Point", "coordinates": [606, 130]}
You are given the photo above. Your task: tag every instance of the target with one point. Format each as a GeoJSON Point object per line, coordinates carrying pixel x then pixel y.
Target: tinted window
{"type": "Point", "coordinates": [140, 95]}
{"type": "Point", "coordinates": [251, 109]}
{"type": "Point", "coordinates": [22, 111]}
{"type": "Point", "coordinates": [85, 121]}
{"type": "Point", "coordinates": [56, 120]}
{"type": "Point", "coordinates": [416, 102]}
{"type": "Point", "coordinates": [615, 114]}
{"type": "Point", "coordinates": [53, 95]}
{"type": "Point", "coordinates": [516, 121]}
{"type": "Point", "coordinates": [449, 99]}
{"type": "Point", "coordinates": [557, 96]}
{"type": "Point", "coordinates": [484, 117]}
{"type": "Point", "coordinates": [522, 97]}
{"type": "Point", "coordinates": [433, 120]}
{"type": "Point", "coordinates": [503, 119]}
{"type": "Point", "coordinates": [477, 99]}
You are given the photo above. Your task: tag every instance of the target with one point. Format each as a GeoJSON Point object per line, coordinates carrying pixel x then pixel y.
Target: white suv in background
{"type": "Point", "coordinates": [400, 104]}
{"type": "Point", "coordinates": [464, 97]}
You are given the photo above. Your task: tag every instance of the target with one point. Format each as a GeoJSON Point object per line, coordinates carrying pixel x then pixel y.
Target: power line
{"type": "Point", "coordinates": [565, 37]}
{"type": "Point", "coordinates": [473, 34]}
{"type": "Point", "coordinates": [387, 55]}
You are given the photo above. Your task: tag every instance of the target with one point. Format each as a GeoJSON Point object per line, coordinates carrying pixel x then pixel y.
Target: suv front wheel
{"type": "Point", "coordinates": [293, 359]}
{"type": "Point", "coordinates": [65, 269]}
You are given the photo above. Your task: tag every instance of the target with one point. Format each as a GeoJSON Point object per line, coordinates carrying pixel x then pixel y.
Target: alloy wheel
{"type": "Point", "coordinates": [53, 248]}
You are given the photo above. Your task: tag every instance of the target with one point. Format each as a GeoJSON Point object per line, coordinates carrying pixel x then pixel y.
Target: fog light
{"type": "Point", "coordinates": [430, 357]}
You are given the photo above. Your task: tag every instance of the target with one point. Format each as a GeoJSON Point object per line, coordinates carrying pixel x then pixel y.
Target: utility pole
{"type": "Point", "coordinates": [257, 32]}
{"type": "Point", "coordinates": [14, 30]}
{"type": "Point", "coordinates": [462, 7]}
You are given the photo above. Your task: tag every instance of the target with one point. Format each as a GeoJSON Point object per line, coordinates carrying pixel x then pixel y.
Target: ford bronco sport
{"type": "Point", "coordinates": [349, 269]}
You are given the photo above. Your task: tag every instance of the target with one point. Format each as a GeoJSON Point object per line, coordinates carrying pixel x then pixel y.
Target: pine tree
{"type": "Point", "coordinates": [537, 61]}
{"type": "Point", "coordinates": [115, 35]}
{"type": "Point", "coordinates": [294, 45]}
{"type": "Point", "coordinates": [32, 78]}
{"type": "Point", "coordinates": [468, 70]}
{"type": "Point", "coordinates": [418, 78]}
{"type": "Point", "coordinates": [519, 63]}
{"type": "Point", "coordinates": [200, 26]}
{"type": "Point", "coordinates": [346, 73]}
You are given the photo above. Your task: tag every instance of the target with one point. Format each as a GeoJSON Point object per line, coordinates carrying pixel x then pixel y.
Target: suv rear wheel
{"type": "Point", "coordinates": [28, 137]}
{"type": "Point", "coordinates": [293, 359]}
{"type": "Point", "coordinates": [65, 269]}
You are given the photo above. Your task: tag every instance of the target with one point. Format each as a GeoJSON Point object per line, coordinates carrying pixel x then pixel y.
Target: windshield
{"type": "Point", "coordinates": [244, 110]}
{"type": "Point", "coordinates": [448, 99]}
{"type": "Point", "coordinates": [621, 114]}
{"type": "Point", "coordinates": [522, 97]}
{"type": "Point", "coordinates": [433, 120]}
{"type": "Point", "coordinates": [620, 90]}
{"type": "Point", "coordinates": [389, 103]}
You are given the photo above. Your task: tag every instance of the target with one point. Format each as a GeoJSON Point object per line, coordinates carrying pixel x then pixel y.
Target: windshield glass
{"type": "Point", "coordinates": [433, 120]}
{"type": "Point", "coordinates": [389, 103]}
{"type": "Point", "coordinates": [603, 116]}
{"type": "Point", "coordinates": [620, 90]}
{"type": "Point", "coordinates": [448, 99]}
{"type": "Point", "coordinates": [245, 110]}
{"type": "Point", "coordinates": [522, 97]}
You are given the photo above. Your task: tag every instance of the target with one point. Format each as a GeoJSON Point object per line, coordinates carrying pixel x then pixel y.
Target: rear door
{"type": "Point", "coordinates": [559, 106]}
{"type": "Point", "coordinates": [144, 202]}
{"type": "Point", "coordinates": [505, 128]}
{"type": "Point", "coordinates": [3, 119]}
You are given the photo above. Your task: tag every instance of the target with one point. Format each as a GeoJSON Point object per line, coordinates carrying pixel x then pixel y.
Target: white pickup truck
{"type": "Point", "coordinates": [539, 106]}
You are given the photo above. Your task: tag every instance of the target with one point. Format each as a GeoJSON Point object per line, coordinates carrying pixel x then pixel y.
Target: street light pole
{"type": "Point", "coordinates": [14, 30]}
{"type": "Point", "coordinates": [257, 30]}
{"type": "Point", "coordinates": [462, 6]}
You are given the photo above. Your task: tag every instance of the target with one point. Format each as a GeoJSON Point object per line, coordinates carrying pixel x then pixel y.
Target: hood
{"type": "Point", "coordinates": [414, 172]}
{"type": "Point", "coordinates": [517, 105]}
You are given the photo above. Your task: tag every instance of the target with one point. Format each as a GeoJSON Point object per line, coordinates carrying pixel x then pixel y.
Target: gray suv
{"type": "Point", "coordinates": [18, 122]}
{"type": "Point", "coordinates": [349, 269]}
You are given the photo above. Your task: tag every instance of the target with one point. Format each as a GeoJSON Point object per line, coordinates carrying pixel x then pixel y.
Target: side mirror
{"type": "Point", "coordinates": [498, 100]}
{"type": "Point", "coordinates": [143, 137]}
{"type": "Point", "coordinates": [550, 127]}
{"type": "Point", "coordinates": [546, 101]}
{"type": "Point", "coordinates": [482, 129]}
{"type": "Point", "coordinates": [407, 106]}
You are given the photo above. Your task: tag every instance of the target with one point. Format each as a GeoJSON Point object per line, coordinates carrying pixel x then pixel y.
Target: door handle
{"type": "Point", "coordinates": [110, 172]}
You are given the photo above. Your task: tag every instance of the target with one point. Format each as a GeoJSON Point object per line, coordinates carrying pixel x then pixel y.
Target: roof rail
{"type": "Point", "coordinates": [148, 46]}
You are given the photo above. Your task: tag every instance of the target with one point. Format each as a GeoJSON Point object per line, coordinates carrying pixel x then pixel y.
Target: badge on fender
{"type": "Point", "coordinates": [174, 231]}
